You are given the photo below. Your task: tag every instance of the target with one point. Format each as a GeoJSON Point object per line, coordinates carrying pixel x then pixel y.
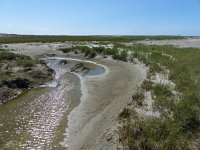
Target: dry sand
{"type": "Point", "coordinates": [92, 124]}
{"type": "Point", "coordinates": [190, 42]}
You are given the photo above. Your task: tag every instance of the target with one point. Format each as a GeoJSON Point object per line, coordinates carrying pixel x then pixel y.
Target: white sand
{"type": "Point", "coordinates": [190, 42]}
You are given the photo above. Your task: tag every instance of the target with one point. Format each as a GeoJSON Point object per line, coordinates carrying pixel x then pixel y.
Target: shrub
{"type": "Point", "coordinates": [147, 85]}
{"type": "Point", "coordinates": [110, 51]}
{"type": "Point", "coordinates": [66, 50]}
{"type": "Point", "coordinates": [126, 113]}
{"type": "Point", "coordinates": [138, 98]}
{"type": "Point", "coordinates": [93, 54]}
{"type": "Point", "coordinates": [186, 114]}
{"type": "Point", "coordinates": [99, 50]}
{"type": "Point", "coordinates": [164, 98]}
{"type": "Point", "coordinates": [8, 55]}
{"type": "Point", "coordinates": [26, 63]}
{"type": "Point", "coordinates": [120, 56]}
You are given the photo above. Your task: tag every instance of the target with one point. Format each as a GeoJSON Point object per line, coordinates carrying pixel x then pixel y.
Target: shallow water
{"type": "Point", "coordinates": [38, 118]}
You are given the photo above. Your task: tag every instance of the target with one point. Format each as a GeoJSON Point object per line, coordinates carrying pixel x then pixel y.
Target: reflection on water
{"type": "Point", "coordinates": [98, 70]}
{"type": "Point", "coordinates": [38, 118]}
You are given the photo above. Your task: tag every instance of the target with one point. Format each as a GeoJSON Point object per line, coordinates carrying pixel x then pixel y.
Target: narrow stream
{"type": "Point", "coordinates": [38, 118]}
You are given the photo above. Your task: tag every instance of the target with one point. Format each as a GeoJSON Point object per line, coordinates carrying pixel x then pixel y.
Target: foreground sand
{"type": "Point", "coordinates": [92, 124]}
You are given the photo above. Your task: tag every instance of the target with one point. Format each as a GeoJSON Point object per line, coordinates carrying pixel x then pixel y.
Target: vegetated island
{"type": "Point", "coordinates": [19, 73]}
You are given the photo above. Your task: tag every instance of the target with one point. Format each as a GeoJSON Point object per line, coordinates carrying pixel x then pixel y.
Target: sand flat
{"type": "Point", "coordinates": [91, 121]}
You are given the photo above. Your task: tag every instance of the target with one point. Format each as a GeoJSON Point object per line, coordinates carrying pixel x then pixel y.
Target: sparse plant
{"type": "Point", "coordinates": [138, 98]}
{"type": "Point", "coordinates": [126, 113]}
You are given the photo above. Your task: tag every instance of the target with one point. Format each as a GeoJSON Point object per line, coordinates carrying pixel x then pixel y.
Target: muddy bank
{"type": "Point", "coordinates": [20, 73]}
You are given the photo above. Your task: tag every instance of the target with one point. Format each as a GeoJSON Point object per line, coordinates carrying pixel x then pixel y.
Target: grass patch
{"type": "Point", "coordinates": [92, 52]}
{"type": "Point", "coordinates": [126, 113]}
{"type": "Point", "coordinates": [120, 55]}
{"type": "Point", "coordinates": [26, 63]}
{"type": "Point", "coordinates": [4, 55]}
{"type": "Point", "coordinates": [45, 39]}
{"type": "Point", "coordinates": [138, 98]}
{"type": "Point", "coordinates": [164, 98]}
{"type": "Point", "coordinates": [154, 134]}
{"type": "Point", "coordinates": [181, 128]}
{"type": "Point", "coordinates": [147, 85]}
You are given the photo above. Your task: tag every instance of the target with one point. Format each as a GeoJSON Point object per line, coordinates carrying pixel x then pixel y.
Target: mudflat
{"type": "Point", "coordinates": [93, 123]}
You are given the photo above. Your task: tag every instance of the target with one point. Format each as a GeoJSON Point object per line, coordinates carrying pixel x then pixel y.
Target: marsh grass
{"type": "Point", "coordinates": [92, 52]}
{"type": "Point", "coordinates": [4, 55]}
{"type": "Point", "coordinates": [126, 113]}
{"type": "Point", "coordinates": [45, 39]}
{"type": "Point", "coordinates": [138, 98]}
{"type": "Point", "coordinates": [164, 98]}
{"type": "Point", "coordinates": [180, 129]}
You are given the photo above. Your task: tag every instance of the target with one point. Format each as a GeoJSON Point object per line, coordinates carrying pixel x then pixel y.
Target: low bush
{"type": "Point", "coordinates": [126, 113]}
{"type": "Point", "coordinates": [138, 98]}
{"type": "Point", "coordinates": [26, 63]}
{"type": "Point", "coordinates": [4, 55]}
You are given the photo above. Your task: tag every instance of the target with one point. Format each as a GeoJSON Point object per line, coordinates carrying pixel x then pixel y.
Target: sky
{"type": "Point", "coordinates": [100, 17]}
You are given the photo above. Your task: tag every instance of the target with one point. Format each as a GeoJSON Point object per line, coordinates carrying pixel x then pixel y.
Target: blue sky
{"type": "Point", "coordinates": [100, 17]}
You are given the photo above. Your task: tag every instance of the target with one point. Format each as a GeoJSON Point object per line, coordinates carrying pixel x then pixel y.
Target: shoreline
{"type": "Point", "coordinates": [96, 116]}
{"type": "Point", "coordinates": [102, 106]}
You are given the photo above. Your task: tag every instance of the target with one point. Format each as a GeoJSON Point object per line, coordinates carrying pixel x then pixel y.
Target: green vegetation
{"type": "Point", "coordinates": [45, 38]}
{"type": "Point", "coordinates": [164, 98]}
{"type": "Point", "coordinates": [179, 124]}
{"type": "Point", "coordinates": [120, 55]}
{"type": "Point", "coordinates": [4, 55]}
{"type": "Point", "coordinates": [20, 60]}
{"type": "Point", "coordinates": [178, 127]}
{"type": "Point", "coordinates": [19, 72]}
{"type": "Point", "coordinates": [138, 98]}
{"type": "Point", "coordinates": [126, 113]}
{"type": "Point", "coordinates": [92, 52]}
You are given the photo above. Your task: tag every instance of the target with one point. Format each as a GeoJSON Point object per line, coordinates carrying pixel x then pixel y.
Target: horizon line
{"type": "Point", "coordinates": [97, 34]}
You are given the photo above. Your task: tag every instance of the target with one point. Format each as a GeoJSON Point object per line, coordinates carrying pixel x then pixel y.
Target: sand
{"type": "Point", "coordinates": [185, 43]}
{"type": "Point", "coordinates": [93, 123]}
